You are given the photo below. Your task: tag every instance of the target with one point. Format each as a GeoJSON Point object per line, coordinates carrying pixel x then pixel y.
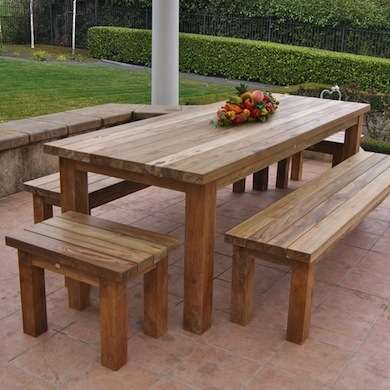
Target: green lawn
{"type": "Point", "coordinates": [29, 88]}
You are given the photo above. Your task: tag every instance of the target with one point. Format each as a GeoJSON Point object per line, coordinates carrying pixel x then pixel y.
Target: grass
{"type": "Point", "coordinates": [29, 88]}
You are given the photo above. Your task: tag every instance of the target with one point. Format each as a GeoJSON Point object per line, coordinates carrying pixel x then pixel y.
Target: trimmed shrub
{"type": "Point", "coordinates": [233, 58]}
{"type": "Point", "coordinates": [377, 146]}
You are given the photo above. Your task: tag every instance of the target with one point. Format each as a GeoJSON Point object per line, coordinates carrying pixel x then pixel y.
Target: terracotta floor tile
{"type": "Point", "coordinates": [361, 239]}
{"type": "Point", "coordinates": [12, 378]}
{"type": "Point", "coordinates": [13, 341]}
{"type": "Point", "coordinates": [375, 226]}
{"type": "Point", "coordinates": [356, 377]}
{"type": "Point", "coordinates": [382, 245]}
{"type": "Point", "coordinates": [9, 296]}
{"type": "Point", "coordinates": [349, 254]}
{"type": "Point", "coordinates": [251, 342]}
{"type": "Point", "coordinates": [168, 384]}
{"type": "Point", "coordinates": [271, 378]}
{"type": "Point", "coordinates": [208, 367]}
{"type": "Point", "coordinates": [157, 224]}
{"type": "Point", "coordinates": [341, 322]}
{"type": "Point", "coordinates": [375, 262]}
{"type": "Point", "coordinates": [369, 282]}
{"type": "Point", "coordinates": [223, 247]}
{"type": "Point", "coordinates": [238, 209]}
{"type": "Point", "coordinates": [379, 335]}
{"type": "Point", "coordinates": [382, 212]}
{"type": "Point", "coordinates": [129, 377]}
{"type": "Point", "coordinates": [265, 277]}
{"type": "Point", "coordinates": [161, 355]}
{"type": "Point", "coordinates": [59, 360]}
{"type": "Point", "coordinates": [120, 215]}
{"type": "Point", "coordinates": [314, 360]}
{"type": "Point", "coordinates": [368, 307]}
{"type": "Point", "coordinates": [369, 369]}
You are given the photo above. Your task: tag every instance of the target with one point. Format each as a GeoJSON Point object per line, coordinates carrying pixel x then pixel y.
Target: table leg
{"type": "Point", "coordinates": [199, 257]}
{"type": "Point", "coordinates": [352, 139]}
{"type": "Point", "coordinates": [283, 173]}
{"type": "Point", "coordinates": [74, 193]}
{"type": "Point", "coordinates": [260, 180]}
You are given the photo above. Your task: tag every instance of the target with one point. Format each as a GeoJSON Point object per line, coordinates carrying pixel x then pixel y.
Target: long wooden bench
{"type": "Point", "coordinates": [298, 229]}
{"type": "Point", "coordinates": [99, 253]}
{"type": "Point", "coordinates": [101, 189]}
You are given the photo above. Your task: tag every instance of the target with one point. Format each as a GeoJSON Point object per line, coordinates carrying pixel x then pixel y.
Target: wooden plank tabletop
{"type": "Point", "coordinates": [186, 147]}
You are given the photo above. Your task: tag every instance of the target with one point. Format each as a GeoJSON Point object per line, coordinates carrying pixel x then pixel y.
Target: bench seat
{"type": "Point", "coordinates": [299, 228]}
{"type": "Point", "coordinates": [101, 189]}
{"type": "Point", "coordinates": [94, 251]}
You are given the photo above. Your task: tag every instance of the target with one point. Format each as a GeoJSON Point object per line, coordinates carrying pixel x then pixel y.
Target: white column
{"type": "Point", "coordinates": [32, 24]}
{"type": "Point", "coordinates": [165, 52]}
{"type": "Point", "coordinates": [74, 27]}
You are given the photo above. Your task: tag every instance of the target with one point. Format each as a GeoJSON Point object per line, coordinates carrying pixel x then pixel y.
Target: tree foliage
{"type": "Point", "coordinates": [358, 13]}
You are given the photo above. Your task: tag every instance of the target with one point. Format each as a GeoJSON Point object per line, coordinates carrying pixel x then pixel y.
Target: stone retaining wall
{"type": "Point", "coordinates": [21, 141]}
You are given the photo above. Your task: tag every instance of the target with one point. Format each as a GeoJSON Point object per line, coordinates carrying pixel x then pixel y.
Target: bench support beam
{"type": "Point", "coordinates": [299, 312]}
{"type": "Point", "coordinates": [156, 300]}
{"type": "Point", "coordinates": [114, 324]}
{"type": "Point", "coordinates": [352, 139]}
{"type": "Point", "coordinates": [42, 210]}
{"type": "Point", "coordinates": [243, 282]}
{"type": "Point", "coordinates": [33, 296]}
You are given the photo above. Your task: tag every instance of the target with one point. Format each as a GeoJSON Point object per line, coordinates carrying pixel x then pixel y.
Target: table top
{"type": "Point", "coordinates": [187, 147]}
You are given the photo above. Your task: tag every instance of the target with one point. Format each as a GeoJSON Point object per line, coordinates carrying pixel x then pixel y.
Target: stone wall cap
{"type": "Point", "coordinates": [12, 139]}
{"type": "Point", "coordinates": [75, 122]}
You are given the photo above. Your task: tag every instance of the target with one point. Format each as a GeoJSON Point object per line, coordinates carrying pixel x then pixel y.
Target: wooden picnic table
{"type": "Point", "coordinates": [183, 151]}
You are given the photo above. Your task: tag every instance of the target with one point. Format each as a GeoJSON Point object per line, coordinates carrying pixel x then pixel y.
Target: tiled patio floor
{"type": "Point", "coordinates": [349, 346]}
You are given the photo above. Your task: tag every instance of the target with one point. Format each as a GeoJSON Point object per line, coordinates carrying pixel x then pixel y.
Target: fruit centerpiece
{"type": "Point", "coordinates": [247, 106]}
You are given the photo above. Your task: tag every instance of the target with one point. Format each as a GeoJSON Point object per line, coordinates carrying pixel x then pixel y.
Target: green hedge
{"type": "Point", "coordinates": [232, 58]}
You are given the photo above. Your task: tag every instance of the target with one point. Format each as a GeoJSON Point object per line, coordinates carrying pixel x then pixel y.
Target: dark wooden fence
{"type": "Point", "coordinates": [54, 27]}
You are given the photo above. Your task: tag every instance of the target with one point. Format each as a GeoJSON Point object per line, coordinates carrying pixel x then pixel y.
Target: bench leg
{"type": "Point", "coordinates": [78, 294]}
{"type": "Point", "coordinates": [243, 281]}
{"type": "Point", "coordinates": [239, 186]}
{"type": "Point", "coordinates": [282, 174]}
{"type": "Point", "coordinates": [337, 155]}
{"type": "Point", "coordinates": [297, 166]}
{"type": "Point", "coordinates": [113, 324]}
{"type": "Point", "coordinates": [156, 300]}
{"type": "Point", "coordinates": [260, 180]}
{"type": "Point", "coordinates": [33, 296]}
{"type": "Point", "coordinates": [42, 210]}
{"type": "Point", "coordinates": [352, 138]}
{"type": "Point", "coordinates": [299, 312]}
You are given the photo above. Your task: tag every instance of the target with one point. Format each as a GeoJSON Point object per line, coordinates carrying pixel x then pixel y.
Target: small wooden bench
{"type": "Point", "coordinates": [101, 190]}
{"type": "Point", "coordinates": [301, 227]}
{"type": "Point", "coordinates": [99, 253]}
